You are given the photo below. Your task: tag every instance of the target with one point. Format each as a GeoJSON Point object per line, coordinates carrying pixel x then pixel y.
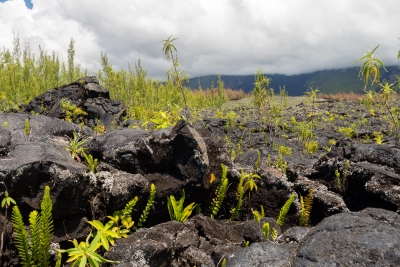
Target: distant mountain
{"type": "Point", "coordinates": [327, 81]}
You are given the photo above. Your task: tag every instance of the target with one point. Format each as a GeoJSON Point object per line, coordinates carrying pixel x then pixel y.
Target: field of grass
{"type": "Point", "coordinates": [24, 75]}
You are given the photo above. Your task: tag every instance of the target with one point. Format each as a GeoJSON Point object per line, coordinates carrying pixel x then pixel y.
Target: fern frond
{"type": "Point", "coordinates": [34, 224]}
{"type": "Point", "coordinates": [21, 237]}
{"type": "Point", "coordinates": [239, 196]}
{"type": "Point", "coordinates": [149, 204]}
{"type": "Point", "coordinates": [46, 228]}
{"type": "Point", "coordinates": [129, 206]}
{"type": "Point", "coordinates": [284, 210]}
{"type": "Point", "coordinates": [274, 234]}
{"type": "Point", "coordinates": [220, 192]}
{"type": "Point", "coordinates": [266, 230]}
{"type": "Point", "coordinates": [306, 206]}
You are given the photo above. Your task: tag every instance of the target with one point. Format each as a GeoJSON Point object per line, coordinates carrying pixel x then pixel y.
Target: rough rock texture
{"type": "Point", "coordinates": [367, 238]}
{"type": "Point", "coordinates": [87, 94]}
{"type": "Point", "coordinates": [41, 128]}
{"type": "Point", "coordinates": [263, 254]}
{"type": "Point", "coordinates": [200, 241]}
{"type": "Point", "coordinates": [180, 151]}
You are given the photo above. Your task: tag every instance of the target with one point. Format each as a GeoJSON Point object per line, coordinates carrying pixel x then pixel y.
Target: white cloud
{"type": "Point", "coordinates": [215, 37]}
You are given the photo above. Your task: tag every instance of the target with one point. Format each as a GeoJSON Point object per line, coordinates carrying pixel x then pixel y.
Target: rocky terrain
{"type": "Point", "coordinates": [356, 223]}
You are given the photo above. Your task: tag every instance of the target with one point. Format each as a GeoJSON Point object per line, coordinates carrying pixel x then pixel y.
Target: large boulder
{"type": "Point", "coordinates": [87, 94]}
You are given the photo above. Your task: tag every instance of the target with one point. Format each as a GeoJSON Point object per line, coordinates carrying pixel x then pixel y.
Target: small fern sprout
{"type": "Point", "coordinates": [266, 230]}
{"type": "Point", "coordinates": [92, 163]}
{"type": "Point", "coordinates": [75, 146]}
{"type": "Point", "coordinates": [176, 210]}
{"type": "Point", "coordinates": [258, 215]}
{"type": "Point", "coordinates": [27, 128]}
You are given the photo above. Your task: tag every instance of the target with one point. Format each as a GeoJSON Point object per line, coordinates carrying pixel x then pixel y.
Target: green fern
{"type": "Point", "coordinates": [36, 250]}
{"type": "Point", "coordinates": [146, 210]}
{"type": "Point", "coordinates": [27, 128]}
{"type": "Point", "coordinates": [220, 192]}
{"type": "Point", "coordinates": [274, 234]}
{"type": "Point", "coordinates": [46, 228]}
{"type": "Point", "coordinates": [129, 206]}
{"type": "Point", "coordinates": [21, 238]}
{"type": "Point", "coordinates": [265, 230]}
{"type": "Point", "coordinates": [34, 223]}
{"type": "Point", "coordinates": [239, 196]}
{"type": "Point", "coordinates": [223, 264]}
{"type": "Point", "coordinates": [284, 210]}
{"type": "Point", "coordinates": [306, 206]}
{"type": "Point", "coordinates": [92, 163]}
{"type": "Point", "coordinates": [258, 215]}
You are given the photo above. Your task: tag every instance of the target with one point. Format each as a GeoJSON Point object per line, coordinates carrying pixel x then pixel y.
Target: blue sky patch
{"type": "Point", "coordinates": [28, 3]}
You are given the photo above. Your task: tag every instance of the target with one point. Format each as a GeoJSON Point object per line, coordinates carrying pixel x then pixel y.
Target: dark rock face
{"type": "Point", "coordinates": [373, 176]}
{"type": "Point", "coordinates": [87, 94]}
{"type": "Point", "coordinates": [368, 238]}
{"type": "Point", "coordinates": [5, 141]}
{"type": "Point", "coordinates": [180, 151]}
{"type": "Point", "coordinates": [200, 241]}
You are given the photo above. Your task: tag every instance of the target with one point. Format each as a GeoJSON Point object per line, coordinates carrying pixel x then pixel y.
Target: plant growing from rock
{"type": "Point", "coordinates": [176, 210]}
{"type": "Point", "coordinates": [92, 163]}
{"type": "Point", "coordinates": [280, 220]}
{"type": "Point", "coordinates": [282, 150]}
{"type": "Point", "coordinates": [350, 132]}
{"type": "Point", "coordinates": [146, 210]}
{"type": "Point", "coordinates": [306, 206]}
{"type": "Point", "coordinates": [27, 129]}
{"type": "Point", "coordinates": [378, 138]}
{"type": "Point", "coordinates": [34, 248]}
{"type": "Point", "coordinates": [311, 146]}
{"type": "Point", "coordinates": [313, 96]}
{"type": "Point", "coordinates": [220, 192]}
{"type": "Point", "coordinates": [5, 203]}
{"type": "Point", "coordinates": [75, 146]}
{"type": "Point", "coordinates": [124, 217]}
{"type": "Point", "coordinates": [341, 182]}
{"type": "Point", "coordinates": [284, 210]}
{"type": "Point", "coordinates": [85, 252]}
{"type": "Point", "coordinates": [73, 113]}
{"type": "Point", "coordinates": [246, 183]}
{"type": "Point", "coordinates": [258, 215]}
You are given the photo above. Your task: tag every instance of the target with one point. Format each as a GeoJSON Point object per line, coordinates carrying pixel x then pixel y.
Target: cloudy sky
{"type": "Point", "coordinates": [214, 36]}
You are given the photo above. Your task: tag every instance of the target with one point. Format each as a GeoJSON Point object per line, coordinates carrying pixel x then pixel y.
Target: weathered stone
{"type": "Point", "coordinates": [353, 239]}
{"type": "Point", "coordinates": [5, 141]}
{"type": "Point", "coordinates": [41, 128]}
{"type": "Point", "coordinates": [87, 94]}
